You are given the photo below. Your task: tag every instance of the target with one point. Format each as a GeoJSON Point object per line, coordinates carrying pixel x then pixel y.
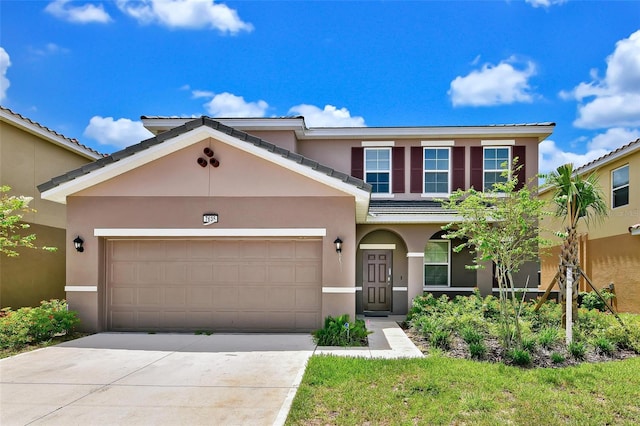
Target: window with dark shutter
{"type": "Point", "coordinates": [416, 170]}
{"type": "Point", "coordinates": [476, 167]}
{"type": "Point", "coordinates": [357, 162]}
{"type": "Point", "coordinates": [457, 168]}
{"type": "Point", "coordinates": [520, 151]}
{"type": "Point", "coordinates": [397, 174]}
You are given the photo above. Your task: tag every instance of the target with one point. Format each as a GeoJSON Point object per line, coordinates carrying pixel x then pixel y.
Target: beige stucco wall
{"type": "Point", "coordinates": [174, 192]}
{"type": "Point", "coordinates": [27, 160]}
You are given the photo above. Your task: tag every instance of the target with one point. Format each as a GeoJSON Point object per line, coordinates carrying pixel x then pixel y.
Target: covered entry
{"type": "Point", "coordinates": [270, 285]}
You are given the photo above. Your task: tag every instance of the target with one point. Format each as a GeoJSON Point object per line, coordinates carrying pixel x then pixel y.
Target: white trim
{"type": "Point", "coordinates": [382, 195]}
{"type": "Point", "coordinates": [388, 171]}
{"type": "Point", "coordinates": [449, 173]}
{"type": "Point", "coordinates": [496, 142]}
{"type": "Point", "coordinates": [447, 264]}
{"type": "Point", "coordinates": [377, 246]}
{"type": "Point", "coordinates": [415, 254]}
{"type": "Point", "coordinates": [442, 288]}
{"type": "Point", "coordinates": [435, 144]}
{"type": "Point", "coordinates": [417, 218]}
{"type": "Point", "coordinates": [359, 288]}
{"type": "Point", "coordinates": [81, 288]}
{"type": "Point", "coordinates": [400, 289]}
{"type": "Point", "coordinates": [485, 171]}
{"type": "Point", "coordinates": [383, 144]}
{"type": "Point", "coordinates": [435, 195]}
{"type": "Point", "coordinates": [338, 290]}
{"type": "Point", "coordinates": [209, 232]}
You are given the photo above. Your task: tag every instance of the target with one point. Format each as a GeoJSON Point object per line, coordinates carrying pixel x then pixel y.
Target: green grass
{"type": "Point", "coordinates": [443, 391]}
{"type": "Point", "coordinates": [5, 353]}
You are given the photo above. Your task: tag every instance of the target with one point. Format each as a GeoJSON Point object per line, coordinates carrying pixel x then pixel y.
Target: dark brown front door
{"type": "Point", "coordinates": [376, 277]}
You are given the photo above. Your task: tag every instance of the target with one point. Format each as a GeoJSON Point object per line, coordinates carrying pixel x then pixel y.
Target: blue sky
{"type": "Point", "coordinates": [90, 69]}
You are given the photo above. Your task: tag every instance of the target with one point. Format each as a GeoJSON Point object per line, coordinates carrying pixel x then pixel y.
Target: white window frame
{"type": "Point", "coordinates": [425, 171]}
{"type": "Point", "coordinates": [485, 171]}
{"type": "Point", "coordinates": [389, 171]}
{"type": "Point", "coordinates": [613, 189]}
{"type": "Point", "coordinates": [424, 263]}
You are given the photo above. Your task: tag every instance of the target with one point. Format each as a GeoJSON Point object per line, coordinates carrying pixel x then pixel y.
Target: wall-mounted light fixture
{"type": "Point", "coordinates": [338, 243]}
{"type": "Point", "coordinates": [77, 243]}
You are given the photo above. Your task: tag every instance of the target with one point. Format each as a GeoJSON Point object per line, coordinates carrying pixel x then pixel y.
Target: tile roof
{"type": "Point", "coordinates": [406, 207]}
{"type": "Point", "coordinates": [191, 125]}
{"type": "Point", "coordinates": [53, 133]}
{"type": "Point", "coordinates": [609, 156]}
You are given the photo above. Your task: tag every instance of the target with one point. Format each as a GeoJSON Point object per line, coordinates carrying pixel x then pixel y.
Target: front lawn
{"type": "Point", "coordinates": [441, 390]}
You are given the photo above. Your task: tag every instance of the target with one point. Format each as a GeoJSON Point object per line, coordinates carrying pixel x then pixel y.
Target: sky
{"type": "Point", "coordinates": [91, 69]}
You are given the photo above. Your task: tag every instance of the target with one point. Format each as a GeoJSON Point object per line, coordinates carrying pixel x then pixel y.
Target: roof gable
{"type": "Point", "coordinates": [58, 188]}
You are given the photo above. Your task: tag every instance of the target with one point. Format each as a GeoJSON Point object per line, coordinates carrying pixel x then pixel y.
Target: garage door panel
{"type": "Point", "coordinates": [235, 285]}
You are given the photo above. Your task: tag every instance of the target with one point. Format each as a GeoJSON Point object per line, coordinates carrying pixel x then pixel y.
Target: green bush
{"type": "Point", "coordinates": [557, 358]}
{"type": "Point", "coordinates": [591, 300]}
{"type": "Point", "coordinates": [604, 346]}
{"type": "Point", "coordinates": [440, 339]}
{"type": "Point", "coordinates": [520, 357]}
{"type": "Point", "coordinates": [470, 335]}
{"type": "Point", "coordinates": [548, 336]}
{"type": "Point", "coordinates": [478, 350]}
{"type": "Point", "coordinates": [577, 350]}
{"type": "Point", "coordinates": [339, 331]}
{"type": "Point", "coordinates": [33, 325]}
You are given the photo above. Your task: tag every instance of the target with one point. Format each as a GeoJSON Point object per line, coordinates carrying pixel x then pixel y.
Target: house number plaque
{"type": "Point", "coordinates": [209, 218]}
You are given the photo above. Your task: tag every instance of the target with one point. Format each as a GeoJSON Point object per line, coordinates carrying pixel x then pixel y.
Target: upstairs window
{"type": "Point", "coordinates": [620, 187]}
{"type": "Point", "coordinates": [436, 171]}
{"type": "Point", "coordinates": [377, 169]}
{"type": "Point", "coordinates": [436, 263]}
{"type": "Point", "coordinates": [495, 162]}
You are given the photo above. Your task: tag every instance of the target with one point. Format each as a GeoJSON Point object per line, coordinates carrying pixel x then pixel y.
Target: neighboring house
{"type": "Point", "coordinates": [609, 251]}
{"type": "Point", "coordinates": [234, 224]}
{"type": "Point", "coordinates": [29, 155]}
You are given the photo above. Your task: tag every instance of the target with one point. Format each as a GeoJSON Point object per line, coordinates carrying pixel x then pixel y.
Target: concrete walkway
{"type": "Point", "coordinates": [169, 379]}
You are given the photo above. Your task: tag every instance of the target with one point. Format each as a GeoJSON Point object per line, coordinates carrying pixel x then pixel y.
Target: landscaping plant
{"type": "Point", "coordinates": [340, 331]}
{"type": "Point", "coordinates": [33, 325]}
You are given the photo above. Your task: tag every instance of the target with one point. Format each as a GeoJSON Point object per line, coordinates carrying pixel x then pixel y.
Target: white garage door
{"type": "Point", "coordinates": [218, 285]}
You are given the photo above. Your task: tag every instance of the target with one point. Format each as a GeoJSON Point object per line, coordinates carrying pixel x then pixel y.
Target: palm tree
{"type": "Point", "coordinates": [575, 198]}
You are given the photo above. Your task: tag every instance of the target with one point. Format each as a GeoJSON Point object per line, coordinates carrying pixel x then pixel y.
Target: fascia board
{"type": "Point", "coordinates": [51, 137]}
{"type": "Point", "coordinates": [541, 132]}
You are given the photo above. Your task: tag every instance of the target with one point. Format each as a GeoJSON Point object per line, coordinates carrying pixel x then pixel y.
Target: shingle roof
{"type": "Point", "coordinates": [52, 133]}
{"type": "Point", "coordinates": [191, 125]}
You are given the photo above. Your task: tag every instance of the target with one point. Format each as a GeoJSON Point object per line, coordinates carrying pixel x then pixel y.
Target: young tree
{"type": "Point", "coordinates": [500, 226]}
{"type": "Point", "coordinates": [575, 197]}
{"type": "Point", "coordinates": [12, 208]}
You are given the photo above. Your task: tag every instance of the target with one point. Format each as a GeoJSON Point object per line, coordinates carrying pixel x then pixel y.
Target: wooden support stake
{"type": "Point", "coordinates": [546, 293]}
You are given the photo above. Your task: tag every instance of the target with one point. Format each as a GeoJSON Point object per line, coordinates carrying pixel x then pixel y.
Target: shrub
{"type": "Point", "coordinates": [441, 339]}
{"type": "Point", "coordinates": [591, 300]}
{"type": "Point", "coordinates": [557, 358]}
{"type": "Point", "coordinates": [529, 343]}
{"type": "Point", "coordinates": [339, 331]}
{"type": "Point", "coordinates": [470, 335]}
{"type": "Point", "coordinates": [478, 350]}
{"type": "Point", "coordinates": [604, 345]}
{"type": "Point", "coordinates": [577, 350]}
{"type": "Point", "coordinates": [548, 336]}
{"type": "Point", "coordinates": [520, 357]}
{"type": "Point", "coordinates": [33, 325]}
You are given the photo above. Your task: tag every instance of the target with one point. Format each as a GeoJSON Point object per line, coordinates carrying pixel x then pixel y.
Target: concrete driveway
{"type": "Point", "coordinates": [159, 379]}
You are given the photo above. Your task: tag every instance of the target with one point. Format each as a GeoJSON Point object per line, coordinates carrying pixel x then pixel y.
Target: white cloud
{"type": "Point", "coordinates": [5, 63]}
{"type": "Point", "coordinates": [48, 49]}
{"type": "Point", "coordinates": [202, 94]}
{"type": "Point", "coordinates": [615, 99]}
{"type": "Point", "coordinates": [229, 105]}
{"type": "Point", "coordinates": [84, 14]}
{"type": "Point", "coordinates": [493, 85]}
{"type": "Point", "coordinates": [120, 133]}
{"type": "Point", "coordinates": [545, 3]}
{"type": "Point", "coordinates": [550, 156]}
{"type": "Point", "coordinates": [185, 14]}
{"type": "Point", "coordinates": [330, 116]}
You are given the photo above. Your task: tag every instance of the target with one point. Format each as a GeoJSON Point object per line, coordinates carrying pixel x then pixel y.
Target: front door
{"type": "Point", "coordinates": [376, 277]}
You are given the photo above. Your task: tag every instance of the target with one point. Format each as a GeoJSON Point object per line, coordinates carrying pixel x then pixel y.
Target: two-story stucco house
{"type": "Point", "coordinates": [609, 252]}
{"type": "Point", "coordinates": [29, 155]}
{"type": "Point", "coordinates": [267, 225]}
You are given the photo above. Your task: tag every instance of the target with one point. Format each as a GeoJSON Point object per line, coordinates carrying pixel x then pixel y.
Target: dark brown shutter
{"type": "Point", "coordinates": [357, 162]}
{"type": "Point", "coordinates": [520, 151]}
{"type": "Point", "coordinates": [457, 168]}
{"type": "Point", "coordinates": [397, 170]}
{"type": "Point", "coordinates": [476, 167]}
{"type": "Point", "coordinates": [417, 168]}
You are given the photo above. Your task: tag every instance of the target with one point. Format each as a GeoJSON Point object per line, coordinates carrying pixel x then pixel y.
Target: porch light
{"type": "Point", "coordinates": [338, 243]}
{"type": "Point", "coordinates": [77, 243]}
